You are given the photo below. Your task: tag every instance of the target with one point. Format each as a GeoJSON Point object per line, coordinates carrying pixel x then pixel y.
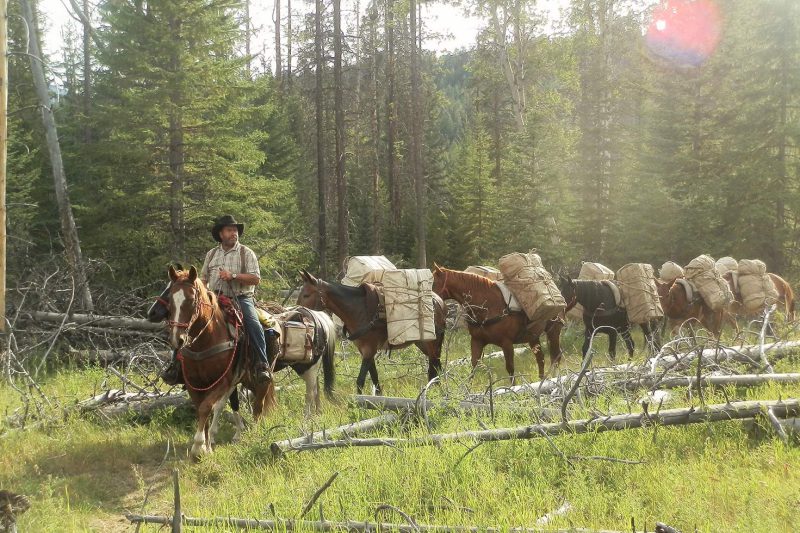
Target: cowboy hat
{"type": "Point", "coordinates": [225, 221]}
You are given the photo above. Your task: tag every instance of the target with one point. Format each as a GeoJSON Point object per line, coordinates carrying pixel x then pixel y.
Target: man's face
{"type": "Point", "coordinates": [229, 235]}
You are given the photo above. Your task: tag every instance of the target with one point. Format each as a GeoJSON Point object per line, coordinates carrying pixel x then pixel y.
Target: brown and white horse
{"type": "Point", "coordinates": [490, 321]}
{"type": "Point", "coordinates": [208, 356]}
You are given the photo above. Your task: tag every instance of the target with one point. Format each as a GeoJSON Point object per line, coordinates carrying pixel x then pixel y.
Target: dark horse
{"type": "Point", "coordinates": [359, 310]}
{"type": "Point", "coordinates": [199, 327]}
{"type": "Point", "coordinates": [490, 321]}
{"type": "Point", "coordinates": [602, 314]}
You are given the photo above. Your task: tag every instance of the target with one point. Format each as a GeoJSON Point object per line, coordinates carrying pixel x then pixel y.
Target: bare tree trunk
{"type": "Point", "coordinates": [376, 135]}
{"type": "Point", "coordinates": [416, 142]}
{"type": "Point", "coordinates": [322, 239]}
{"type": "Point", "coordinates": [289, 44]}
{"type": "Point", "coordinates": [278, 57]}
{"type": "Point", "coordinates": [176, 154]}
{"type": "Point", "coordinates": [87, 74]}
{"type": "Point", "coordinates": [342, 237]}
{"type": "Point", "coordinates": [247, 31]}
{"type": "Point", "coordinates": [69, 232]}
{"type": "Point", "coordinates": [391, 178]}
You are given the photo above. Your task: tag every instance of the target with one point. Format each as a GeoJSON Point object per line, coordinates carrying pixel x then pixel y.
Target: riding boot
{"type": "Point", "coordinates": [172, 375]}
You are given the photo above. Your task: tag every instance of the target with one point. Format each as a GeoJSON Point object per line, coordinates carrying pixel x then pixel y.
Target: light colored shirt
{"type": "Point", "coordinates": [230, 260]}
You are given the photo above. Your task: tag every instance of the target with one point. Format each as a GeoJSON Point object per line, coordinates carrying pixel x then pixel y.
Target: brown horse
{"type": "Point", "coordinates": [208, 355]}
{"type": "Point", "coordinates": [359, 310]}
{"type": "Point", "coordinates": [785, 295]}
{"type": "Point", "coordinates": [679, 307]}
{"type": "Point", "coordinates": [490, 321]}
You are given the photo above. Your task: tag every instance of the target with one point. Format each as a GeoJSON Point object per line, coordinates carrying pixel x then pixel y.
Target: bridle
{"type": "Point", "coordinates": [444, 292]}
{"type": "Point", "coordinates": [199, 306]}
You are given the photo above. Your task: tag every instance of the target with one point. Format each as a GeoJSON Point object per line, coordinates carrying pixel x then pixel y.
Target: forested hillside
{"type": "Point", "coordinates": [579, 137]}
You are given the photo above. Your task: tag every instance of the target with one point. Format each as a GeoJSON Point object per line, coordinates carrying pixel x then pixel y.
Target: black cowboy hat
{"type": "Point", "coordinates": [223, 222]}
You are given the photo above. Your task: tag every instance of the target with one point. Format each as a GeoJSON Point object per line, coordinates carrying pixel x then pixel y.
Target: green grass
{"type": "Point", "coordinates": [85, 474]}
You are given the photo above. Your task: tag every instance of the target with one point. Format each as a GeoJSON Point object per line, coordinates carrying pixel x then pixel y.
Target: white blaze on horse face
{"type": "Point", "coordinates": [177, 302]}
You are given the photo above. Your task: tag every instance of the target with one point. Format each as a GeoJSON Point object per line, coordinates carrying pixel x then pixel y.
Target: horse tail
{"type": "Point", "coordinates": [328, 356]}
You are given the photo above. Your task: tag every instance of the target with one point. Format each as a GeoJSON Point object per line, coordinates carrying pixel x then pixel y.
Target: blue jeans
{"type": "Point", "coordinates": [253, 328]}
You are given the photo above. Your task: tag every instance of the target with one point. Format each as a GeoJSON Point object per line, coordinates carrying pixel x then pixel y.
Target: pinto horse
{"type": "Point", "coordinates": [359, 310]}
{"type": "Point", "coordinates": [208, 355]}
{"type": "Point", "coordinates": [679, 306]}
{"type": "Point", "coordinates": [324, 350]}
{"type": "Point", "coordinates": [490, 321]}
{"type": "Point", "coordinates": [602, 314]}
{"type": "Point", "coordinates": [785, 295]}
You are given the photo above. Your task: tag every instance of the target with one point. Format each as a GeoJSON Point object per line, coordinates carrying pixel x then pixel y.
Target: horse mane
{"type": "Point", "coordinates": [183, 277]}
{"type": "Point", "coordinates": [472, 282]}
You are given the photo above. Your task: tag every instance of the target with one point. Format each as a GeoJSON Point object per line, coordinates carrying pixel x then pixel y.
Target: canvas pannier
{"type": "Point", "coordinates": [532, 285]}
{"type": "Point", "coordinates": [590, 271]}
{"type": "Point", "coordinates": [485, 271]}
{"type": "Point", "coordinates": [639, 293]}
{"type": "Point", "coordinates": [297, 341]}
{"type": "Point", "coordinates": [725, 265]}
{"type": "Point", "coordinates": [702, 272]}
{"type": "Point", "coordinates": [360, 269]}
{"type": "Point", "coordinates": [756, 287]}
{"type": "Point", "coordinates": [408, 297]}
{"type": "Point", "coordinates": [670, 271]}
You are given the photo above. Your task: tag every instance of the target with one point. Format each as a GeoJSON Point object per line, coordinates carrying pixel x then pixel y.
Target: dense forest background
{"type": "Point", "coordinates": [570, 136]}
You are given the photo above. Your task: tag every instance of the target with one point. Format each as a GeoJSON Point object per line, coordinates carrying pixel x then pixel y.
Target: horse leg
{"type": "Point", "coordinates": [476, 351]}
{"type": "Point", "coordinates": [216, 417]}
{"type": "Point", "coordinates": [626, 336]}
{"type": "Point", "coordinates": [311, 378]}
{"type": "Point", "coordinates": [433, 349]}
{"type": "Point", "coordinates": [554, 346]}
{"type": "Point", "coordinates": [199, 443]}
{"type": "Point", "coordinates": [536, 350]}
{"type": "Point", "coordinates": [508, 354]}
{"type": "Point", "coordinates": [362, 375]}
{"type": "Point", "coordinates": [612, 343]}
{"type": "Point", "coordinates": [587, 340]}
{"type": "Point", "coordinates": [373, 373]}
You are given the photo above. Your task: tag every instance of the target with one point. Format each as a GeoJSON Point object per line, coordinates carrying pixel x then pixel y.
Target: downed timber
{"type": "Point", "coordinates": [403, 405]}
{"type": "Point", "coordinates": [349, 525]}
{"type": "Point", "coordinates": [492, 355]}
{"type": "Point", "coordinates": [106, 357]}
{"type": "Point", "coordinates": [115, 403]}
{"type": "Point", "coordinates": [748, 354]}
{"type": "Point", "coordinates": [98, 321]}
{"type": "Point", "coordinates": [279, 448]}
{"type": "Point", "coordinates": [670, 417]}
{"type": "Point", "coordinates": [741, 380]}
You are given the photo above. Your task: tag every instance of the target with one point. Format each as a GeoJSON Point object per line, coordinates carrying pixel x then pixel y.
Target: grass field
{"type": "Point", "coordinates": [84, 474]}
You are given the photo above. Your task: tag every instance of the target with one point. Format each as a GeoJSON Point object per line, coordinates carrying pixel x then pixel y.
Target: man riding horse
{"type": "Point", "coordinates": [232, 269]}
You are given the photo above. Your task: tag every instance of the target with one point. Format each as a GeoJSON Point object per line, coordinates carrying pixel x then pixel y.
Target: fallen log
{"type": "Point", "coordinates": [107, 357]}
{"type": "Point", "coordinates": [279, 448]}
{"type": "Point", "coordinates": [99, 321]}
{"type": "Point", "coordinates": [491, 355]}
{"type": "Point", "coordinates": [349, 525]}
{"type": "Point", "coordinates": [670, 417]}
{"type": "Point", "coordinates": [115, 403]}
{"type": "Point", "coordinates": [741, 380]}
{"type": "Point", "coordinates": [403, 405]}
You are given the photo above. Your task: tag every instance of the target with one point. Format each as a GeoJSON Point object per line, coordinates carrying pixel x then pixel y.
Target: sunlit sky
{"type": "Point", "coordinates": [457, 30]}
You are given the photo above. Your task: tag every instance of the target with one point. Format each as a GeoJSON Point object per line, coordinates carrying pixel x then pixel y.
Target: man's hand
{"type": "Point", "coordinates": [224, 275]}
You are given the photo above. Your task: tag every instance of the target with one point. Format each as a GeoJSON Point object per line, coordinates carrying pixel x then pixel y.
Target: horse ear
{"type": "Point", "coordinates": [302, 273]}
{"type": "Point", "coordinates": [310, 278]}
{"type": "Point", "coordinates": [172, 274]}
{"type": "Point", "coordinates": [192, 274]}
{"type": "Point", "coordinates": [436, 268]}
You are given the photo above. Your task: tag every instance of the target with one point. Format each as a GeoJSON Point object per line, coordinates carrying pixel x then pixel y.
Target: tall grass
{"type": "Point", "coordinates": [84, 474]}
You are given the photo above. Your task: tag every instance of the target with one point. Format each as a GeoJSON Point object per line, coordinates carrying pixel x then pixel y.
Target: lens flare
{"type": "Point", "coordinates": [684, 32]}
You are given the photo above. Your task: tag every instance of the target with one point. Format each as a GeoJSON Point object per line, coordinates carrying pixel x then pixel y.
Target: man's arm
{"type": "Point", "coordinates": [252, 276]}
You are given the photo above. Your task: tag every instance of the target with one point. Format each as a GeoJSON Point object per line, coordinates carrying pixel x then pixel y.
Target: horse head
{"type": "Point", "coordinates": [309, 292]}
{"type": "Point", "coordinates": [160, 308]}
{"type": "Point", "coordinates": [440, 282]}
{"type": "Point", "coordinates": [187, 297]}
